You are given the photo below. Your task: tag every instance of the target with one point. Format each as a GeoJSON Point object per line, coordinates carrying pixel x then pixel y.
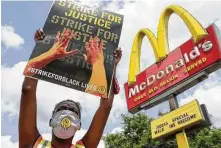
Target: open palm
{"type": "Point", "coordinates": [61, 43]}
{"type": "Point", "coordinates": [94, 50]}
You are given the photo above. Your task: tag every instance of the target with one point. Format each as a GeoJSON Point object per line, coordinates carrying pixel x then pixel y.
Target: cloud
{"type": "Point", "coordinates": [6, 142]}
{"type": "Point", "coordinates": [117, 130]}
{"type": "Point", "coordinates": [10, 38]}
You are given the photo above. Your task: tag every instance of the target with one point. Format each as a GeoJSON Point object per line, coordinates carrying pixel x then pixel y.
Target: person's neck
{"type": "Point", "coordinates": [64, 143]}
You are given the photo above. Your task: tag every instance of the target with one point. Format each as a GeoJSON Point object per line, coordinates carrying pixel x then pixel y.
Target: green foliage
{"type": "Point", "coordinates": [136, 133]}
{"type": "Point", "coordinates": [206, 138]}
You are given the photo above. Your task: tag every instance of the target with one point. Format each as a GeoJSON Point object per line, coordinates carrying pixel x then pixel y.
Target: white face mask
{"type": "Point", "coordinates": [65, 123]}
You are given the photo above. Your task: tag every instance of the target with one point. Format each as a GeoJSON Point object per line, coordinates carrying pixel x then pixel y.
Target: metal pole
{"type": "Point", "coordinates": [173, 103]}
{"type": "Point", "coordinates": [181, 138]}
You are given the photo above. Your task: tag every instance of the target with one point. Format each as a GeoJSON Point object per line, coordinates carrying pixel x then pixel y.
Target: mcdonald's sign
{"type": "Point", "coordinates": [174, 71]}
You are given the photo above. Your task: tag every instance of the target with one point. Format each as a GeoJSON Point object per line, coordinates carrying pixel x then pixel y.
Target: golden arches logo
{"type": "Point", "coordinates": [160, 43]}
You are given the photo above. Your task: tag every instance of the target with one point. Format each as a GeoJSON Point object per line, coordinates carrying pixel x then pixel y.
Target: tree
{"type": "Point", "coordinates": [136, 133]}
{"type": "Point", "coordinates": [206, 138]}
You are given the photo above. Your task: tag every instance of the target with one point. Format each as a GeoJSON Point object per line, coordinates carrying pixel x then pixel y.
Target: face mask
{"type": "Point", "coordinates": [65, 123]}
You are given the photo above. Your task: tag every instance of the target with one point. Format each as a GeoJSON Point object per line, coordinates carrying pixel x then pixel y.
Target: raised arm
{"type": "Point", "coordinates": [94, 134]}
{"type": "Point", "coordinates": [95, 57]}
{"type": "Point", "coordinates": [28, 131]}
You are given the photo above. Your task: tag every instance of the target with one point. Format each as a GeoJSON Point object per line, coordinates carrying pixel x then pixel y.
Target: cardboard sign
{"type": "Point", "coordinates": [184, 117]}
{"type": "Point", "coordinates": [68, 56]}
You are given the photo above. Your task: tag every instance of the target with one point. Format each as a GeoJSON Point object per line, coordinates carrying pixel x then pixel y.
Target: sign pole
{"type": "Point", "coordinates": [173, 102]}
{"type": "Point", "coordinates": [181, 138]}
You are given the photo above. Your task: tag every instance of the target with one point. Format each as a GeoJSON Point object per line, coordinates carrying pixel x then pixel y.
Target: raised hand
{"type": "Point", "coordinates": [117, 55]}
{"type": "Point", "coordinates": [58, 50]}
{"type": "Point", "coordinates": [94, 50]}
{"type": "Point", "coordinates": [39, 35]}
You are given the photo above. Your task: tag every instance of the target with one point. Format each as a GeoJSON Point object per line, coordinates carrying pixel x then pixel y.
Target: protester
{"type": "Point", "coordinates": [66, 116]}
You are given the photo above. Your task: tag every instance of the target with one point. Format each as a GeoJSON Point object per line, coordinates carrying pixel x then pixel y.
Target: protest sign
{"type": "Point", "coordinates": [77, 51]}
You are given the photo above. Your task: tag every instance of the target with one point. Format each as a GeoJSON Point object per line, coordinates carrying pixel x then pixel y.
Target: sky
{"type": "Point", "coordinates": [21, 19]}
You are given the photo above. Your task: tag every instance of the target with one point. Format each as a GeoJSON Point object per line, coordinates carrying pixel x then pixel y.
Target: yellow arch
{"type": "Point", "coordinates": [134, 68]}
{"type": "Point", "coordinates": [195, 28]}
{"type": "Point", "coordinates": [160, 44]}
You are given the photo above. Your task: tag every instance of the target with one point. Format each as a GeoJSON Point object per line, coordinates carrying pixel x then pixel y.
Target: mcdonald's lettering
{"type": "Point", "coordinates": [192, 55]}
{"type": "Point", "coordinates": [200, 54]}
